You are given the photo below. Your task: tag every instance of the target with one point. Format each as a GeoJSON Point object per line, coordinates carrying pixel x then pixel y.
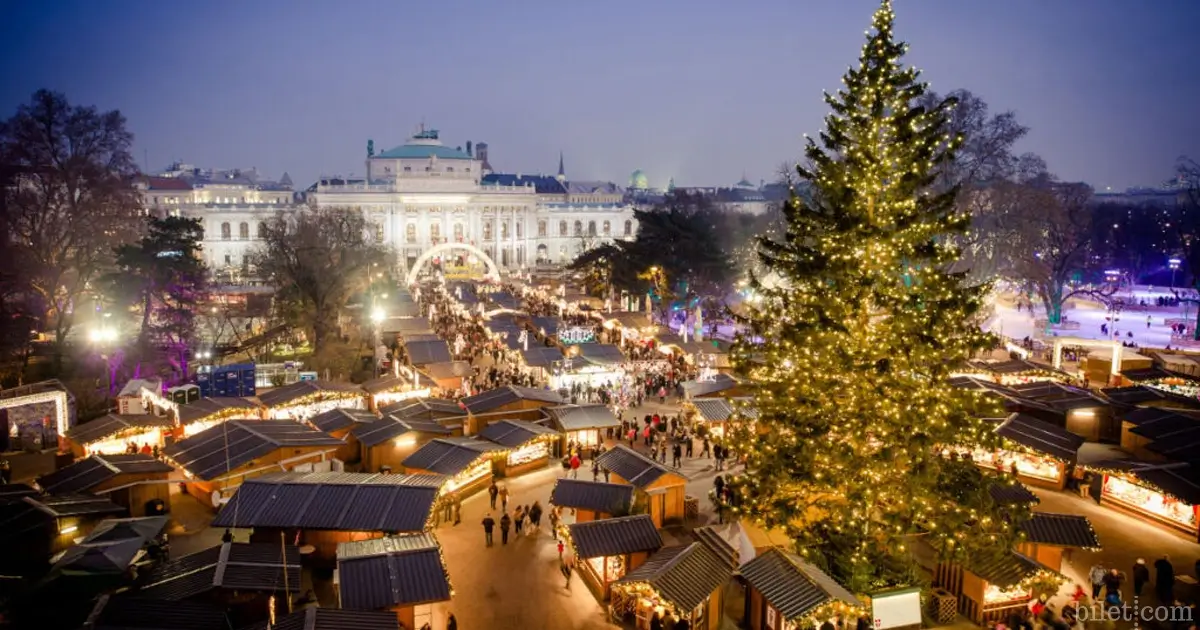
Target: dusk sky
{"type": "Point", "coordinates": [700, 90]}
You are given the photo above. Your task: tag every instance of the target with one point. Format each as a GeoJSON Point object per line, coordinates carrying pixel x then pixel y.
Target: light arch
{"type": "Point", "coordinates": [493, 272]}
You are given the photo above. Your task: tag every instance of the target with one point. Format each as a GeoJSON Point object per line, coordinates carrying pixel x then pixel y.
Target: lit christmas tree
{"type": "Point", "coordinates": [851, 353]}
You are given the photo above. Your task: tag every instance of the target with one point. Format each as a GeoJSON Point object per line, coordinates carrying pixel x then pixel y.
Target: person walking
{"type": "Point", "coordinates": [1141, 575]}
{"type": "Point", "coordinates": [554, 524]}
{"type": "Point", "coordinates": [457, 508]}
{"type": "Point", "coordinates": [1164, 580]}
{"type": "Point", "coordinates": [575, 464]}
{"type": "Point", "coordinates": [504, 498]}
{"type": "Point", "coordinates": [488, 524]}
{"type": "Point", "coordinates": [567, 570]}
{"type": "Point", "coordinates": [493, 490]}
{"type": "Point", "coordinates": [520, 518]}
{"type": "Point", "coordinates": [451, 622]}
{"type": "Point", "coordinates": [1112, 584]}
{"type": "Point", "coordinates": [535, 518]}
{"type": "Point", "coordinates": [1096, 577]}
{"type": "Point", "coordinates": [505, 524]}
{"type": "Point", "coordinates": [677, 455]}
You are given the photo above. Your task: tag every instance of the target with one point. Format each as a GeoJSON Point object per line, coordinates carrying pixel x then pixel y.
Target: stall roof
{"type": "Point", "coordinates": [230, 566]}
{"type": "Point", "coordinates": [426, 352]}
{"type": "Point", "coordinates": [684, 575]}
{"type": "Point", "coordinates": [405, 325]}
{"type": "Point", "coordinates": [515, 433]}
{"type": "Point", "coordinates": [548, 324]}
{"type": "Point", "coordinates": [332, 619]}
{"type": "Point", "coordinates": [1060, 397]}
{"type": "Point", "coordinates": [449, 456]}
{"type": "Point", "coordinates": [1012, 493]}
{"type": "Point", "coordinates": [601, 353]}
{"type": "Point", "coordinates": [112, 424]}
{"type": "Point", "coordinates": [10, 491]}
{"type": "Point", "coordinates": [282, 396]}
{"type": "Point", "coordinates": [111, 547]}
{"type": "Point", "coordinates": [1041, 436]}
{"type": "Point", "coordinates": [1007, 570]}
{"type": "Point", "coordinates": [200, 409]}
{"type": "Point", "coordinates": [541, 356]}
{"type": "Point", "coordinates": [359, 502]}
{"type": "Point", "coordinates": [1061, 530]}
{"type": "Point", "coordinates": [17, 517]}
{"type": "Point", "coordinates": [390, 382]}
{"type": "Point", "coordinates": [86, 474]}
{"type": "Point", "coordinates": [1178, 479]}
{"type": "Point", "coordinates": [719, 383]}
{"type": "Point", "coordinates": [630, 319]}
{"type": "Point", "coordinates": [391, 427]}
{"type": "Point", "coordinates": [1013, 366]}
{"type": "Point", "coordinates": [493, 399]}
{"type": "Point", "coordinates": [1156, 373]}
{"type": "Point", "coordinates": [713, 409]}
{"type": "Point", "coordinates": [791, 585]}
{"type": "Point", "coordinates": [393, 571]}
{"type": "Point", "coordinates": [336, 419]}
{"type": "Point", "coordinates": [217, 450]}
{"type": "Point", "coordinates": [609, 498]}
{"type": "Point", "coordinates": [632, 466]}
{"type": "Point", "coordinates": [425, 409]}
{"type": "Point", "coordinates": [449, 369]}
{"type": "Point", "coordinates": [1133, 395]}
{"type": "Point", "coordinates": [615, 536]}
{"type": "Point", "coordinates": [126, 612]}
{"type": "Point", "coordinates": [710, 537]}
{"type": "Point", "coordinates": [580, 417]}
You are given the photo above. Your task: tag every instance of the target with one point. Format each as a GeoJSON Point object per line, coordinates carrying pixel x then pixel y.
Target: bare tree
{"type": "Point", "coordinates": [71, 202]}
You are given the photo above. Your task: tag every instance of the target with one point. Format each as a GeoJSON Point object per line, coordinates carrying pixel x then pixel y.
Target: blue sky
{"type": "Point", "coordinates": [698, 90]}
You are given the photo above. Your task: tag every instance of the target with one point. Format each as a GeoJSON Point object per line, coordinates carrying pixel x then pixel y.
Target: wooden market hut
{"type": "Point", "coordinates": [330, 619]}
{"type": "Point", "coordinates": [340, 423]}
{"type": "Point", "coordinates": [433, 409]}
{"type": "Point", "coordinates": [611, 548]}
{"type": "Point", "coordinates": [108, 551]}
{"type": "Point", "coordinates": [1048, 537]}
{"type": "Point", "coordinates": [33, 528]}
{"type": "Point", "coordinates": [1042, 454]}
{"type": "Point", "coordinates": [528, 445]}
{"type": "Point", "coordinates": [391, 389]}
{"type": "Point", "coordinates": [467, 463]}
{"type": "Point", "coordinates": [1087, 415]}
{"type": "Point", "coordinates": [385, 444]}
{"type": "Point", "coordinates": [661, 489]}
{"type": "Point", "coordinates": [1142, 427]}
{"type": "Point", "coordinates": [783, 589]}
{"type": "Point", "coordinates": [217, 461]}
{"type": "Point", "coordinates": [138, 483]}
{"type": "Point", "coordinates": [688, 581]}
{"type": "Point", "coordinates": [1016, 371]}
{"type": "Point", "coordinates": [205, 413]}
{"type": "Point", "coordinates": [712, 413]}
{"type": "Point", "coordinates": [325, 509]}
{"type": "Point", "coordinates": [426, 351]}
{"type": "Point", "coordinates": [1164, 493]}
{"type": "Point", "coordinates": [990, 590]}
{"type": "Point", "coordinates": [449, 375]}
{"type": "Point", "coordinates": [112, 434]}
{"type": "Point", "coordinates": [1144, 396]}
{"type": "Point", "coordinates": [510, 402]}
{"type": "Point", "coordinates": [305, 399]}
{"type": "Point", "coordinates": [720, 386]}
{"type": "Point", "coordinates": [542, 360]}
{"type": "Point", "coordinates": [585, 426]}
{"type": "Point", "coordinates": [241, 577]}
{"type": "Point", "coordinates": [592, 500]}
{"type": "Point", "coordinates": [402, 574]}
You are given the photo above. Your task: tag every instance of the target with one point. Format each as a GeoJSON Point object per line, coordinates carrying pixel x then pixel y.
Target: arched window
{"type": "Point", "coordinates": [458, 232]}
{"type": "Point", "coordinates": [378, 232]}
{"type": "Point", "coordinates": [262, 230]}
{"type": "Point", "coordinates": [543, 253]}
{"type": "Point", "coordinates": [410, 233]}
{"type": "Point", "coordinates": [435, 232]}
{"type": "Point", "coordinates": [504, 230]}
{"type": "Point", "coordinates": [519, 232]}
{"type": "Point", "coordinates": [542, 229]}
{"type": "Point", "coordinates": [628, 228]}
{"type": "Point", "coordinates": [607, 227]}
{"type": "Point", "coordinates": [562, 228]}
{"type": "Point", "coordinates": [244, 231]}
{"type": "Point", "coordinates": [487, 230]}
{"type": "Point", "coordinates": [591, 228]}
{"type": "Point", "coordinates": [579, 228]}
{"type": "Point", "coordinates": [226, 232]}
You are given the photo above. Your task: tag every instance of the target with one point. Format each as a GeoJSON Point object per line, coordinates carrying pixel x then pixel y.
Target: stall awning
{"type": "Point", "coordinates": [450, 456]}
{"type": "Point", "coordinates": [1060, 530]}
{"type": "Point", "coordinates": [205, 407]}
{"type": "Point", "coordinates": [793, 586]}
{"type": "Point", "coordinates": [579, 494]}
{"type": "Point", "coordinates": [685, 576]}
{"type": "Point", "coordinates": [581, 417]}
{"type": "Point", "coordinates": [113, 424]}
{"type": "Point", "coordinates": [426, 352]}
{"type": "Point", "coordinates": [615, 536]}
{"type": "Point", "coordinates": [1007, 570]}
{"type": "Point", "coordinates": [392, 571]}
{"type": "Point", "coordinates": [632, 466]}
{"type": "Point", "coordinates": [541, 357]}
{"type": "Point", "coordinates": [601, 353]}
{"type": "Point", "coordinates": [1041, 436]}
{"type": "Point", "coordinates": [86, 474]}
{"type": "Point", "coordinates": [516, 433]}
{"type": "Point", "coordinates": [282, 396]}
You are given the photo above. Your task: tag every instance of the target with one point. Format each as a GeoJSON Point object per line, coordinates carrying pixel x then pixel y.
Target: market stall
{"type": "Point", "coordinates": [528, 445]}
{"type": "Point", "coordinates": [405, 383]}
{"type": "Point", "coordinates": [608, 549]}
{"type": "Point", "coordinates": [205, 413]}
{"type": "Point", "coordinates": [991, 590]}
{"type": "Point", "coordinates": [685, 581]}
{"type": "Point", "coordinates": [1084, 413]}
{"type": "Point", "coordinates": [1040, 453]}
{"type": "Point", "coordinates": [542, 361]}
{"type": "Point", "coordinates": [466, 463]}
{"type": "Point", "coordinates": [1013, 372]}
{"type": "Point", "coordinates": [590, 363]}
{"type": "Point", "coordinates": [659, 488]}
{"type": "Point", "coordinates": [786, 593]}
{"type": "Point", "coordinates": [114, 434]}
{"type": "Point", "coordinates": [305, 399]}
{"type": "Point", "coordinates": [1162, 494]}
{"type": "Point", "coordinates": [582, 425]}
{"type": "Point", "coordinates": [361, 564]}
{"type": "Point", "coordinates": [1049, 537]}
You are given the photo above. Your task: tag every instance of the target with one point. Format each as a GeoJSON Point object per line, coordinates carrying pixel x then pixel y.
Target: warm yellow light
{"type": "Point", "coordinates": [70, 529]}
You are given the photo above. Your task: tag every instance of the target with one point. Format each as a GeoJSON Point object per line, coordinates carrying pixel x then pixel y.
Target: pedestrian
{"type": "Point", "coordinates": [451, 622]}
{"type": "Point", "coordinates": [561, 547]}
{"type": "Point", "coordinates": [575, 464]}
{"type": "Point", "coordinates": [488, 524]}
{"type": "Point", "coordinates": [1112, 583]}
{"type": "Point", "coordinates": [1164, 580]}
{"type": "Point", "coordinates": [1141, 575]}
{"type": "Point", "coordinates": [457, 508]}
{"type": "Point", "coordinates": [677, 455]}
{"type": "Point", "coordinates": [656, 622]}
{"type": "Point", "coordinates": [567, 569]}
{"type": "Point", "coordinates": [704, 447]}
{"type": "Point", "coordinates": [554, 525]}
{"type": "Point", "coordinates": [505, 524]}
{"type": "Point", "coordinates": [1096, 576]}
{"type": "Point", "coordinates": [520, 518]}
{"type": "Point", "coordinates": [535, 518]}
{"type": "Point", "coordinates": [606, 473]}
{"type": "Point", "coordinates": [493, 490]}
{"type": "Point", "coordinates": [504, 498]}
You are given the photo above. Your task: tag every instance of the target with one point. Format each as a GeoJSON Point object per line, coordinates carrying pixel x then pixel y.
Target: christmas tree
{"type": "Point", "coordinates": [850, 354]}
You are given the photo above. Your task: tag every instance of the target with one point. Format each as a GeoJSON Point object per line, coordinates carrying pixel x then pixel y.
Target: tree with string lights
{"type": "Point", "coordinates": [850, 355]}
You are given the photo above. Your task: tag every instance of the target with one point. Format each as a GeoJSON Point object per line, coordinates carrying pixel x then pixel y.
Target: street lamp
{"type": "Point", "coordinates": [1174, 265]}
{"type": "Point", "coordinates": [102, 337]}
{"type": "Point", "coordinates": [378, 315]}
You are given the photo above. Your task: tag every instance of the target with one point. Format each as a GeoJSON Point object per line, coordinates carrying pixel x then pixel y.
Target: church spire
{"type": "Point", "coordinates": [562, 172]}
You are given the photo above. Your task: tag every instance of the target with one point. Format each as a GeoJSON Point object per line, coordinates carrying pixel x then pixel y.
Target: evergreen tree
{"type": "Point", "coordinates": [850, 355]}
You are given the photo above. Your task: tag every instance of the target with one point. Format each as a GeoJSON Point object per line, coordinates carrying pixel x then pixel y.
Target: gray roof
{"type": "Point", "coordinates": [541, 356]}
{"type": "Point", "coordinates": [86, 474]}
{"type": "Point", "coordinates": [791, 585]}
{"type": "Point", "coordinates": [713, 409]}
{"type": "Point", "coordinates": [392, 571]}
{"type": "Point", "coordinates": [405, 325]}
{"type": "Point", "coordinates": [1041, 436]}
{"type": "Point", "coordinates": [716, 543]}
{"type": "Point", "coordinates": [515, 433]}
{"type": "Point", "coordinates": [683, 575]}
{"type": "Point", "coordinates": [231, 566]}
{"type": "Point", "coordinates": [548, 324]}
{"type": "Point", "coordinates": [389, 382]}
{"type": "Point", "coordinates": [615, 536]}
{"type": "Point", "coordinates": [577, 417]}
{"type": "Point", "coordinates": [425, 409]}
{"type": "Point", "coordinates": [493, 399]}
{"type": "Point", "coordinates": [448, 456]}
{"type": "Point", "coordinates": [391, 427]}
{"type": "Point", "coordinates": [579, 494]}
{"type": "Point", "coordinates": [283, 396]}
{"type": "Point", "coordinates": [111, 546]}
{"type": "Point", "coordinates": [634, 467]}
{"type": "Point", "coordinates": [601, 353]}
{"type": "Point", "coordinates": [112, 424]}
{"type": "Point", "coordinates": [719, 383]}
{"type": "Point", "coordinates": [336, 419]}
{"type": "Point", "coordinates": [1011, 493]}
{"type": "Point", "coordinates": [359, 502]}
{"type": "Point", "coordinates": [1061, 530]}
{"type": "Point", "coordinates": [1008, 569]}
{"type": "Point", "coordinates": [203, 408]}
{"type": "Point", "coordinates": [217, 450]}
{"type": "Point", "coordinates": [426, 352]}
{"type": "Point", "coordinates": [128, 612]}
{"type": "Point", "coordinates": [332, 619]}
{"type": "Point", "coordinates": [449, 369]}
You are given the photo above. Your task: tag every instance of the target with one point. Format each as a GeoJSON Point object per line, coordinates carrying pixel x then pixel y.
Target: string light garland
{"type": "Point", "coordinates": [850, 355]}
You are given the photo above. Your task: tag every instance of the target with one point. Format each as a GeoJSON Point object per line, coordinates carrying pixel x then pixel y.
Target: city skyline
{"type": "Point", "coordinates": [696, 95]}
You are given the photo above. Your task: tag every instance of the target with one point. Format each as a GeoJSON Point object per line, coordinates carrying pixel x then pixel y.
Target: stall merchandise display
{"type": "Point", "coordinates": [1150, 501]}
{"type": "Point", "coordinates": [468, 476]}
{"type": "Point", "coordinates": [1027, 464]}
{"type": "Point", "coordinates": [616, 567]}
{"type": "Point", "coordinates": [530, 452]}
{"type": "Point", "coordinates": [119, 444]}
{"type": "Point", "coordinates": [304, 411]}
{"type": "Point", "coordinates": [996, 595]}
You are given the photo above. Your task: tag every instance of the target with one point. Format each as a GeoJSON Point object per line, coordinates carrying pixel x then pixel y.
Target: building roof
{"type": "Point", "coordinates": [416, 151]}
{"type": "Point", "coordinates": [425, 409]}
{"type": "Point", "coordinates": [615, 536]}
{"type": "Point", "coordinates": [1013, 366]}
{"type": "Point", "coordinates": [579, 417]}
{"type": "Point", "coordinates": [713, 409]}
{"type": "Point", "coordinates": [1133, 395]}
{"type": "Point", "coordinates": [359, 502]}
{"type": "Point", "coordinates": [231, 566]}
{"type": "Point", "coordinates": [203, 408]}
{"type": "Point", "coordinates": [493, 399]}
{"type": "Point", "coordinates": [791, 585]}
{"type": "Point", "coordinates": [1006, 570]}
{"type": "Point", "coordinates": [1012, 493]}
{"type": "Point", "coordinates": [601, 353]}
{"type": "Point", "coordinates": [683, 575]}
{"type": "Point", "coordinates": [632, 466]}
{"type": "Point", "coordinates": [390, 427]}
{"type": "Point", "coordinates": [336, 419]}
{"type": "Point", "coordinates": [541, 356]}
{"type": "Point", "coordinates": [594, 188]}
{"type": "Point", "coordinates": [283, 396]}
{"type": "Point", "coordinates": [153, 182]}
{"type": "Point", "coordinates": [392, 571]}
{"type": "Point", "coordinates": [405, 325]}
{"type": "Point", "coordinates": [126, 612]}
{"type": "Point", "coordinates": [516, 433]}
{"type": "Point", "coordinates": [718, 384]}
{"type": "Point", "coordinates": [332, 619]}
{"type": "Point", "coordinates": [449, 369]}
{"type": "Point", "coordinates": [111, 546]}
{"type": "Point", "coordinates": [1061, 530]}
{"type": "Point", "coordinates": [716, 543]}
{"type": "Point", "coordinates": [1040, 436]}
{"type": "Point", "coordinates": [449, 456]}
{"type": "Point", "coordinates": [606, 498]}
{"type": "Point", "coordinates": [426, 352]}
{"type": "Point", "coordinates": [220, 449]}
{"type": "Point", "coordinates": [86, 474]}
{"type": "Point", "coordinates": [113, 424]}
{"type": "Point", "coordinates": [542, 184]}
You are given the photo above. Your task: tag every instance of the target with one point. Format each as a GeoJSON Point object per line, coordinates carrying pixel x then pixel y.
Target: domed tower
{"type": "Point", "coordinates": [638, 180]}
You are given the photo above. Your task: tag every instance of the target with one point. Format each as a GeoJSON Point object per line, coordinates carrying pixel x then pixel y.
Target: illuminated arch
{"type": "Point", "coordinates": [493, 272]}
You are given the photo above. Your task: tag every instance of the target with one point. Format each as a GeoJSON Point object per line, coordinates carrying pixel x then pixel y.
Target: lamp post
{"type": "Point", "coordinates": [103, 337]}
{"type": "Point", "coordinates": [1174, 265]}
{"type": "Point", "coordinates": [377, 317]}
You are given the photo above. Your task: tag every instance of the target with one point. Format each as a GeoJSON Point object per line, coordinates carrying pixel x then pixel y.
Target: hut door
{"type": "Point", "coordinates": [422, 615]}
{"type": "Point", "coordinates": [658, 507]}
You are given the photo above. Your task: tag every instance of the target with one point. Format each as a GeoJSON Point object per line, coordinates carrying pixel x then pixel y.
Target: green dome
{"type": "Point", "coordinates": [638, 180]}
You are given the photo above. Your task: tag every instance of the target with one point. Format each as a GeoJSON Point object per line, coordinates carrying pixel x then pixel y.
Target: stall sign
{"type": "Point", "coordinates": [308, 376]}
{"type": "Point", "coordinates": [897, 608]}
{"type": "Point", "coordinates": [578, 334]}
